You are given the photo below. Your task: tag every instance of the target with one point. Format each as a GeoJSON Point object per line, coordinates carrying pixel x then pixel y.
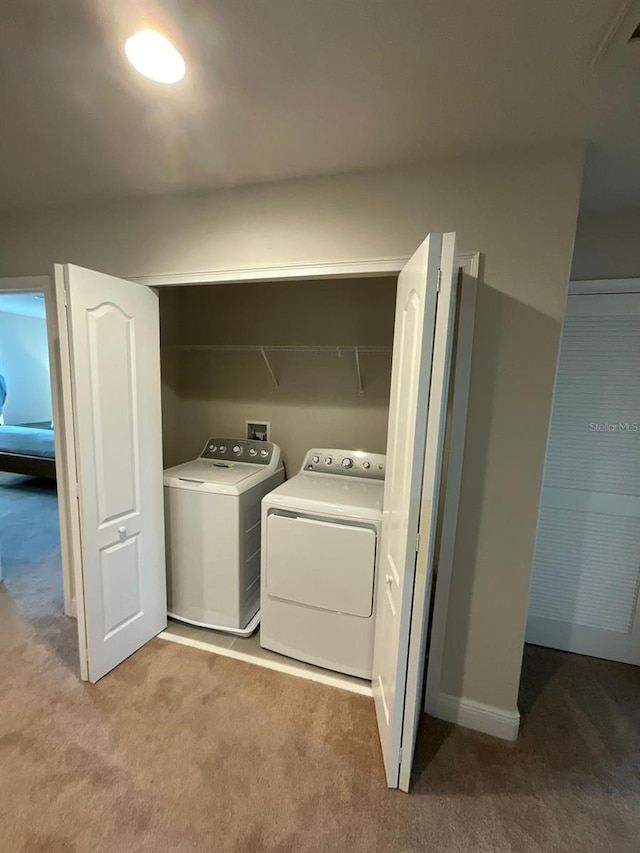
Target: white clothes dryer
{"type": "Point", "coordinates": [320, 534]}
{"type": "Point", "coordinates": [212, 524]}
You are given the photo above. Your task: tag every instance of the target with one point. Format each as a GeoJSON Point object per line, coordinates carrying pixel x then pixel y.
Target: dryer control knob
{"type": "Point", "coordinates": [315, 460]}
{"type": "Point", "coordinates": [328, 460]}
{"type": "Point", "coordinates": [223, 448]}
{"type": "Point", "coordinates": [253, 452]}
{"type": "Point", "coordinates": [366, 465]}
{"type": "Point", "coordinates": [237, 449]}
{"type": "Point", "coordinates": [347, 463]}
{"type": "Point", "coordinates": [264, 453]}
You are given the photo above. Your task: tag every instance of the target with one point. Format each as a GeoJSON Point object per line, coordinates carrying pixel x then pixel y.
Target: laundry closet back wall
{"type": "Point", "coordinates": [318, 401]}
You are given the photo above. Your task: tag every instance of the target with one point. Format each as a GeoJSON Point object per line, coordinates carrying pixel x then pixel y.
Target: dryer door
{"type": "Point", "coordinates": [321, 564]}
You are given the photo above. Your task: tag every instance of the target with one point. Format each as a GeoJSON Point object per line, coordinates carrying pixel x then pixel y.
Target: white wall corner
{"type": "Point", "coordinates": [474, 715]}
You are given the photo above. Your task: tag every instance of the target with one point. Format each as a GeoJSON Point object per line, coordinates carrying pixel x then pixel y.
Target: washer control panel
{"type": "Point", "coordinates": [239, 450]}
{"type": "Point", "coordinates": [348, 463]}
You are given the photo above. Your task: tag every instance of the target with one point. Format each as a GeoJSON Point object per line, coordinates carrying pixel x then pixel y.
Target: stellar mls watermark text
{"type": "Point", "coordinates": [614, 426]}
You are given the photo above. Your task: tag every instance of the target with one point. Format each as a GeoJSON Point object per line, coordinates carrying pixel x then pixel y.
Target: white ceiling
{"type": "Point", "coordinates": [281, 88]}
{"type": "Point", "coordinates": [27, 304]}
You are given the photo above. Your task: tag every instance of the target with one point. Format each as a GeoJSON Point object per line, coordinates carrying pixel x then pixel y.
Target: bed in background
{"type": "Point", "coordinates": [26, 450]}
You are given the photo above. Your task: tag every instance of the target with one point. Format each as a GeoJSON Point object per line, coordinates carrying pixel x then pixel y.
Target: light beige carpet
{"type": "Point", "coordinates": [181, 750]}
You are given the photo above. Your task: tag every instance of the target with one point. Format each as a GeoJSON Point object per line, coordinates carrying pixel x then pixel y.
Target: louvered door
{"type": "Point", "coordinates": [586, 574]}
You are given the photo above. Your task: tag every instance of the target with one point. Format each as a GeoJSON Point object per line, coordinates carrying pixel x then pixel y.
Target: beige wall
{"type": "Point", "coordinates": [607, 245]}
{"type": "Point", "coordinates": [317, 402]}
{"type": "Point", "coordinates": [519, 209]}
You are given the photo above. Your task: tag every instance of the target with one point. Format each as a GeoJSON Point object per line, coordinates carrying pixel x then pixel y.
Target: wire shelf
{"type": "Point", "coordinates": [265, 349]}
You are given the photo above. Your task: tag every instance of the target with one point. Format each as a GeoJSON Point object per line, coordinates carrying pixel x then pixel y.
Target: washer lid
{"type": "Point", "coordinates": [330, 493]}
{"type": "Point", "coordinates": [210, 476]}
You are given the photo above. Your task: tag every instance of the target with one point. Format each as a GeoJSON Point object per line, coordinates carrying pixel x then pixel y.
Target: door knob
{"type": "Point", "coordinates": [122, 531]}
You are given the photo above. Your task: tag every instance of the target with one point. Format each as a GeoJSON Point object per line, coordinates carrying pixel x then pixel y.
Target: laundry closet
{"type": "Point", "coordinates": [354, 367]}
{"type": "Point", "coordinates": [311, 361]}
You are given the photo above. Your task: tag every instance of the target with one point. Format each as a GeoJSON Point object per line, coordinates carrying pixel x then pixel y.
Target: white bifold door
{"type": "Point", "coordinates": [109, 335]}
{"type": "Point", "coordinates": [113, 379]}
{"type": "Point", "coordinates": [586, 572]}
{"type": "Point", "coordinates": [425, 308]}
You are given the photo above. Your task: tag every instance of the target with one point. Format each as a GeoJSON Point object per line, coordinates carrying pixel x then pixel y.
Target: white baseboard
{"type": "Point", "coordinates": [474, 715]}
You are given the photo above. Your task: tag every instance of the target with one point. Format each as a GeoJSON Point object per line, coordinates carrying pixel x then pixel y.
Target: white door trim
{"type": "Point", "coordinates": [359, 268]}
{"type": "Point", "coordinates": [44, 284]}
{"type": "Point", "coordinates": [363, 268]}
{"type": "Point", "coordinates": [461, 372]}
{"type": "Point", "coordinates": [604, 285]}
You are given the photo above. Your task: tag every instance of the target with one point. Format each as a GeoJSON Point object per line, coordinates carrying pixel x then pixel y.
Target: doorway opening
{"type": "Point", "coordinates": [32, 589]}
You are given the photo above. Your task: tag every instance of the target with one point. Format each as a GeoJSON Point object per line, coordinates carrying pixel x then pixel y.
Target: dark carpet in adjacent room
{"type": "Point", "coordinates": [181, 750]}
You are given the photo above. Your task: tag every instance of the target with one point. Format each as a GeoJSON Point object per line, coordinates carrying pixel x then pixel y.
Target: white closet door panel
{"type": "Point", "coordinates": [425, 308]}
{"type": "Point", "coordinates": [598, 502]}
{"type": "Point", "coordinates": [569, 583]}
{"type": "Point", "coordinates": [115, 375]}
{"type": "Point", "coordinates": [586, 573]}
{"type": "Point", "coordinates": [595, 425]}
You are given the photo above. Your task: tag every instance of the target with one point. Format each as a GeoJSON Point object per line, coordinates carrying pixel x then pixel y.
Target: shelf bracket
{"type": "Point", "coordinates": [356, 352]}
{"type": "Point", "coordinates": [269, 368]}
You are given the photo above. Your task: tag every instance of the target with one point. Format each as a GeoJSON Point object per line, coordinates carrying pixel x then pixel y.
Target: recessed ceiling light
{"type": "Point", "coordinates": [155, 57]}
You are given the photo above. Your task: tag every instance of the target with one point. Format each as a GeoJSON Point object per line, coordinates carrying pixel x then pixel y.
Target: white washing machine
{"type": "Point", "coordinates": [212, 523]}
{"type": "Point", "coordinates": [320, 534]}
